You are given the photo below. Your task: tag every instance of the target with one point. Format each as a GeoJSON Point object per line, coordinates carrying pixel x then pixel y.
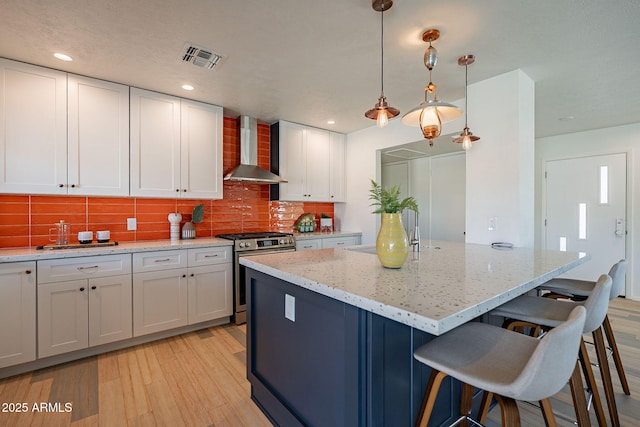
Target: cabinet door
{"type": "Point", "coordinates": [210, 292]}
{"type": "Point", "coordinates": [159, 301]}
{"type": "Point", "coordinates": [33, 129]}
{"type": "Point", "coordinates": [336, 167]}
{"type": "Point", "coordinates": [201, 151]}
{"type": "Point", "coordinates": [110, 317]}
{"type": "Point", "coordinates": [155, 144]}
{"type": "Point", "coordinates": [317, 146]}
{"type": "Point", "coordinates": [98, 141]}
{"type": "Point", "coordinates": [17, 313]}
{"type": "Point", "coordinates": [292, 162]}
{"type": "Point", "coordinates": [63, 317]}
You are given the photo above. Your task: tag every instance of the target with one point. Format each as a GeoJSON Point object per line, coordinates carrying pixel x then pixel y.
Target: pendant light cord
{"type": "Point", "coordinates": [382, 51]}
{"type": "Point", "coordinates": [466, 85]}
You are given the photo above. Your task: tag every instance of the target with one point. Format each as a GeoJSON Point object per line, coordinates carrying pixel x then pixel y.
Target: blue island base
{"type": "Point", "coordinates": [315, 361]}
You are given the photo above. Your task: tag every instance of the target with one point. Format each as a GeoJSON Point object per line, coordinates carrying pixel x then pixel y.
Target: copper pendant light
{"type": "Point", "coordinates": [466, 138]}
{"type": "Point", "coordinates": [382, 111]}
{"type": "Point", "coordinates": [432, 113]}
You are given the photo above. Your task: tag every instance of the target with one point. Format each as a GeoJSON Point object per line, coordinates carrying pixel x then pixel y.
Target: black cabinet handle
{"type": "Point", "coordinates": [27, 272]}
{"type": "Point", "coordinates": [81, 289]}
{"type": "Point", "coordinates": [94, 288]}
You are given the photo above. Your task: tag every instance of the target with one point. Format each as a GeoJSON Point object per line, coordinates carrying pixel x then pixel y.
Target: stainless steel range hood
{"type": "Point", "coordinates": [248, 170]}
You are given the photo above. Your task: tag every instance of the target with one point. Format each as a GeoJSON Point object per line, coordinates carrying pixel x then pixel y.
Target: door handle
{"type": "Point", "coordinates": [619, 227]}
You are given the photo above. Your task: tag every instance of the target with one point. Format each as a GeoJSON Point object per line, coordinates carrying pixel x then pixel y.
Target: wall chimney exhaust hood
{"type": "Point", "coordinates": [248, 170]}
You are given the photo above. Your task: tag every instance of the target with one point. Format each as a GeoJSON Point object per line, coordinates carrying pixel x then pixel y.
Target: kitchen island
{"type": "Point", "coordinates": [331, 333]}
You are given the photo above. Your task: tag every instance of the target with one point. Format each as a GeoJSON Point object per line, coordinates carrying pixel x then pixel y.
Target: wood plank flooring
{"type": "Point", "coordinates": [199, 379]}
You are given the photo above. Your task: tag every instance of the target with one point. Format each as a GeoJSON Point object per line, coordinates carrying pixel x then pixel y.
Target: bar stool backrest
{"type": "Point", "coordinates": [597, 304]}
{"type": "Point", "coordinates": [617, 274]}
{"type": "Point", "coordinates": [553, 360]}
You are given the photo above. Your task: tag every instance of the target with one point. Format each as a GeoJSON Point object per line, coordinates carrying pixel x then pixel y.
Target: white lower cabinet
{"type": "Point", "coordinates": [327, 242]}
{"type": "Point", "coordinates": [308, 244]}
{"type": "Point", "coordinates": [83, 312]}
{"type": "Point", "coordinates": [17, 313]}
{"type": "Point", "coordinates": [181, 287]}
{"type": "Point", "coordinates": [338, 242]}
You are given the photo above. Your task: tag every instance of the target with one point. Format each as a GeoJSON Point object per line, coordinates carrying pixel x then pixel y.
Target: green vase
{"type": "Point", "coordinates": [392, 244]}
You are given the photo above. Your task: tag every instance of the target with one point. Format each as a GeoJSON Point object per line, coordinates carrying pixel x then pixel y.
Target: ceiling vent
{"type": "Point", "coordinates": [200, 56]}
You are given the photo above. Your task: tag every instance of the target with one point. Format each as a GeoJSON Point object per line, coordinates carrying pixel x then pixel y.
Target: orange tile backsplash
{"type": "Point", "coordinates": [25, 219]}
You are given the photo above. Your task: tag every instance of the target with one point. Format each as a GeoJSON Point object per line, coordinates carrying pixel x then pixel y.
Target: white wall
{"type": "Point", "coordinates": [597, 142]}
{"type": "Point", "coordinates": [500, 166]}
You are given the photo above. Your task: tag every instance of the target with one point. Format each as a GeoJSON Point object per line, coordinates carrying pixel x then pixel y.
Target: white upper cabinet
{"type": "Point", "coordinates": [98, 140]}
{"type": "Point", "coordinates": [176, 147]}
{"type": "Point", "coordinates": [336, 168]}
{"type": "Point", "coordinates": [200, 150]}
{"type": "Point", "coordinates": [62, 134]}
{"type": "Point", "coordinates": [33, 128]}
{"type": "Point", "coordinates": [307, 163]}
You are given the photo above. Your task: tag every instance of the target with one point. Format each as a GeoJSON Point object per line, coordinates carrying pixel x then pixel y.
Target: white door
{"type": "Point", "coordinates": [585, 210]}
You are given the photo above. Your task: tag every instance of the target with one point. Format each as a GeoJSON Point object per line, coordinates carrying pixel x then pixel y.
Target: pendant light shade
{"type": "Point", "coordinates": [466, 138]}
{"type": "Point", "coordinates": [431, 114]}
{"type": "Point", "coordinates": [382, 111]}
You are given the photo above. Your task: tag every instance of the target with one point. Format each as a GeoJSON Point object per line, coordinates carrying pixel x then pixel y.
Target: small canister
{"type": "Point", "coordinates": [174, 227]}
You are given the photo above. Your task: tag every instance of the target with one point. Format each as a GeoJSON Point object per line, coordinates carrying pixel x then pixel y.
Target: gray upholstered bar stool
{"type": "Point", "coordinates": [550, 313]}
{"type": "Point", "coordinates": [510, 365]}
{"type": "Point", "coordinates": [579, 290]}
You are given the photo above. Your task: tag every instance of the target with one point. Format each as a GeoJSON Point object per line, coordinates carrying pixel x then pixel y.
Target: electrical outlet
{"type": "Point", "coordinates": [290, 307]}
{"type": "Point", "coordinates": [132, 224]}
{"type": "Point", "coordinates": [493, 223]}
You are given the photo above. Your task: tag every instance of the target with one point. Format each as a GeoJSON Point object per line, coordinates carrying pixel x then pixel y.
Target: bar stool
{"type": "Point", "coordinates": [579, 290]}
{"type": "Point", "coordinates": [510, 365]}
{"type": "Point", "coordinates": [550, 313]}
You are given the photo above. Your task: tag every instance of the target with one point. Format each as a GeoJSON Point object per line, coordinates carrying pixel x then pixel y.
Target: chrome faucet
{"type": "Point", "coordinates": [414, 240]}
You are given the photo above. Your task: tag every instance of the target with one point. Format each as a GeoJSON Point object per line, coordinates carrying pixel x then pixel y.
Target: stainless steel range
{"type": "Point", "coordinates": [247, 244]}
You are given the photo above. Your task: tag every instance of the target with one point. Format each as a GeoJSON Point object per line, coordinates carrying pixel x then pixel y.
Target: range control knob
{"type": "Point", "coordinates": [241, 244]}
{"type": "Point", "coordinates": [281, 241]}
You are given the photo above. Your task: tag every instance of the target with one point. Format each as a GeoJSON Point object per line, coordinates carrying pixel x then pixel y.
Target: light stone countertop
{"type": "Point", "coordinates": [33, 254]}
{"type": "Point", "coordinates": [448, 285]}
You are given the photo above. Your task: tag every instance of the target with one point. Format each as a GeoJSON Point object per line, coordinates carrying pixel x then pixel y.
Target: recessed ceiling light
{"type": "Point", "coordinates": [331, 122]}
{"type": "Point", "coordinates": [566, 118]}
{"type": "Point", "coordinates": [62, 57]}
{"type": "Point", "coordinates": [187, 87]}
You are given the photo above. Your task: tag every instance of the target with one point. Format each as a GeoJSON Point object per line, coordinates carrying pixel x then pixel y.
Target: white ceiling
{"type": "Point", "coordinates": [308, 62]}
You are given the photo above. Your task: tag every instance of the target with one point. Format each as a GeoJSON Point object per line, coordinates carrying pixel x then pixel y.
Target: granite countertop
{"type": "Point", "coordinates": [33, 254]}
{"type": "Point", "coordinates": [324, 235]}
{"type": "Point", "coordinates": [447, 285]}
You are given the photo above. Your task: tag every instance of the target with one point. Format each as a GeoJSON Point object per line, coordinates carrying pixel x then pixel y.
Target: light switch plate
{"type": "Point", "coordinates": [132, 224]}
{"type": "Point", "coordinates": [290, 307]}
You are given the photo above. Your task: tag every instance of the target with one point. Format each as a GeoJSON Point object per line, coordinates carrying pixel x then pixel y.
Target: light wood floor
{"type": "Point", "coordinates": [199, 379]}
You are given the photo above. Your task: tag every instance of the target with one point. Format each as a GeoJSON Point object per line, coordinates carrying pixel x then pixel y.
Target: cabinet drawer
{"type": "Point", "coordinates": [308, 244]}
{"type": "Point", "coordinates": [339, 242]}
{"type": "Point", "coordinates": [209, 256]}
{"type": "Point", "coordinates": [159, 260]}
{"type": "Point", "coordinates": [59, 270]}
